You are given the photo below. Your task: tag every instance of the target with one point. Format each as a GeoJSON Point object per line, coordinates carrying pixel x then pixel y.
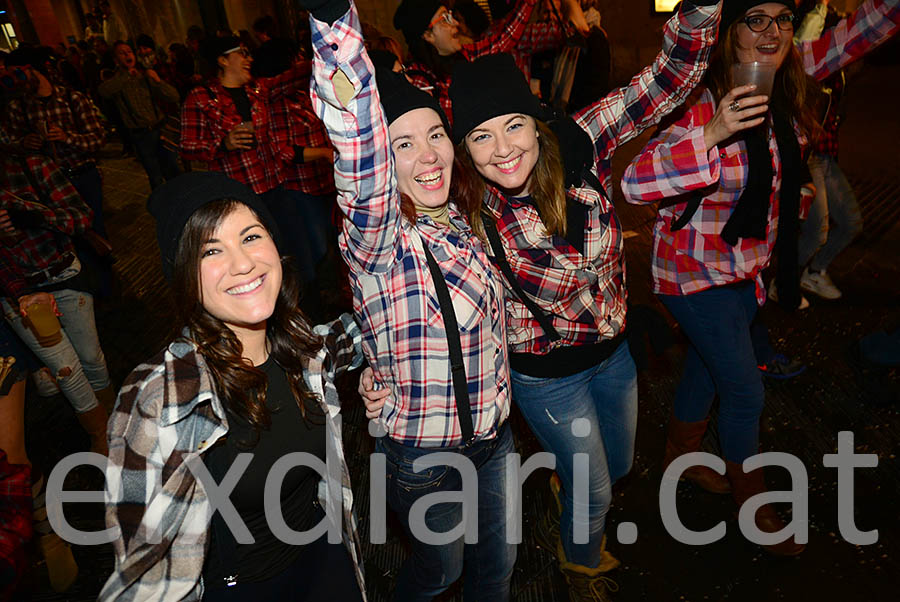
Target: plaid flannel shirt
{"type": "Point", "coordinates": [73, 112]}
{"type": "Point", "coordinates": [209, 114]}
{"type": "Point", "coordinates": [584, 295]}
{"type": "Point", "coordinates": [295, 124]}
{"type": "Point", "coordinates": [394, 295]}
{"type": "Point", "coordinates": [678, 164]}
{"type": "Point", "coordinates": [501, 37]}
{"type": "Point", "coordinates": [59, 214]}
{"type": "Point", "coordinates": [168, 414]}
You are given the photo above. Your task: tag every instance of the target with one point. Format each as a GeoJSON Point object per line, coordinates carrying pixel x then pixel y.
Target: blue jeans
{"type": "Point", "coordinates": [606, 397]}
{"type": "Point", "coordinates": [819, 244]}
{"type": "Point", "coordinates": [431, 569]}
{"type": "Point", "coordinates": [160, 163]}
{"type": "Point", "coordinates": [79, 350]}
{"type": "Point", "coordinates": [720, 359]}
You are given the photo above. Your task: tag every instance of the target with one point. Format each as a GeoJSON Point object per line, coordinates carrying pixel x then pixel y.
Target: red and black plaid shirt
{"type": "Point", "coordinates": [55, 214]}
{"type": "Point", "coordinates": [209, 113]}
{"type": "Point", "coordinates": [294, 123]}
{"type": "Point", "coordinates": [73, 112]}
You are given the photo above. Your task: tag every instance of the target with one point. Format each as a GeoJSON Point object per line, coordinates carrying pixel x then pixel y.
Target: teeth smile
{"type": "Point", "coordinates": [510, 164]}
{"type": "Point", "coordinates": [245, 288]}
{"type": "Point", "coordinates": [429, 178]}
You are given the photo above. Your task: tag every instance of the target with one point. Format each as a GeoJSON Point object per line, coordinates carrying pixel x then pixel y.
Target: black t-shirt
{"type": "Point", "coordinates": [289, 433]}
{"type": "Point", "coordinates": [241, 102]}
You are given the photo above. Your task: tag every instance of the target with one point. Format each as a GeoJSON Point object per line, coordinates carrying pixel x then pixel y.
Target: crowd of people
{"type": "Point", "coordinates": [484, 258]}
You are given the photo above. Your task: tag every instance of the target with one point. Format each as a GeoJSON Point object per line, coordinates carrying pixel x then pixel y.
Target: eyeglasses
{"type": "Point", "coordinates": [446, 16]}
{"type": "Point", "coordinates": [760, 23]}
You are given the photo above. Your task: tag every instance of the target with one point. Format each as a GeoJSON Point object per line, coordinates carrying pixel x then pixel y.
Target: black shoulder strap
{"type": "Point", "coordinates": [693, 204]}
{"type": "Point", "coordinates": [500, 255]}
{"type": "Point", "coordinates": [451, 327]}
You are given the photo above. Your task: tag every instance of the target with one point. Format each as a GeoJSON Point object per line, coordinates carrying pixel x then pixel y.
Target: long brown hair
{"type": "Point", "coordinates": [794, 91]}
{"type": "Point", "coordinates": [241, 386]}
{"type": "Point", "coordinates": [548, 189]}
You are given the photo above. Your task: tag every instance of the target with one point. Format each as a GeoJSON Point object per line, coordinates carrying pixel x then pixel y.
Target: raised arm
{"type": "Point", "coordinates": [505, 36]}
{"type": "Point", "coordinates": [624, 113]}
{"type": "Point", "coordinates": [871, 24]}
{"type": "Point", "coordinates": [346, 100]}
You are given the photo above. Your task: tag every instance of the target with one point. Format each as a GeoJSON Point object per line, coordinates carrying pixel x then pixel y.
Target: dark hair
{"type": "Point", "coordinates": [118, 43]}
{"type": "Point", "coordinates": [145, 41]}
{"type": "Point", "coordinates": [793, 93]}
{"type": "Point", "coordinates": [548, 187]}
{"type": "Point", "coordinates": [473, 16]}
{"type": "Point", "coordinates": [265, 24]}
{"type": "Point", "coordinates": [195, 32]}
{"type": "Point", "coordinates": [291, 341]}
{"type": "Point", "coordinates": [426, 54]}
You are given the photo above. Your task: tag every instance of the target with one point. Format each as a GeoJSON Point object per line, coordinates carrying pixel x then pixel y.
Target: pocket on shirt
{"type": "Point", "coordinates": [467, 293]}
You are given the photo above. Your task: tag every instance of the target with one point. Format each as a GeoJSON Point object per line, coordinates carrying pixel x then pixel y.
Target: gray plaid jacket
{"type": "Point", "coordinates": [166, 415]}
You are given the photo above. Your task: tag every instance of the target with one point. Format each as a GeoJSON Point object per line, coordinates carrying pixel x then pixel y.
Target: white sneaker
{"type": "Point", "coordinates": [819, 283]}
{"type": "Point", "coordinates": [773, 295]}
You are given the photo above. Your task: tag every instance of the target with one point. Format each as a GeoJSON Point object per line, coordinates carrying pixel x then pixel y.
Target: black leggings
{"type": "Point", "coordinates": [322, 573]}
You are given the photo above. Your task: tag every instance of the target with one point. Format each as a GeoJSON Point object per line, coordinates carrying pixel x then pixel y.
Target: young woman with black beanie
{"type": "Point", "coordinates": [733, 161]}
{"type": "Point", "coordinates": [431, 311]}
{"type": "Point", "coordinates": [546, 202]}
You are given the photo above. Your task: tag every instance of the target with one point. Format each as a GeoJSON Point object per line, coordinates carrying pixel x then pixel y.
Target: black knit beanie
{"type": "Point", "coordinates": [414, 16]}
{"type": "Point", "coordinates": [399, 97]}
{"type": "Point", "coordinates": [732, 10]}
{"type": "Point", "coordinates": [488, 87]}
{"type": "Point", "coordinates": [212, 48]}
{"type": "Point", "coordinates": [173, 203]}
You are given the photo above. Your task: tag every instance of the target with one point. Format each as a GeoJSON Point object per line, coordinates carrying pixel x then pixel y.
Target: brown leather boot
{"type": "Point", "coordinates": [683, 438]}
{"type": "Point", "coordinates": [107, 398]}
{"type": "Point", "coordinates": [746, 485]}
{"type": "Point", "coordinates": [94, 422]}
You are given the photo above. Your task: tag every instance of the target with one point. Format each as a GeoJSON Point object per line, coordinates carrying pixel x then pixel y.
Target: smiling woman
{"type": "Point", "coordinates": [247, 374]}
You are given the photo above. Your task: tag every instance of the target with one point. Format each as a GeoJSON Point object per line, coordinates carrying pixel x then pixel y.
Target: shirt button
{"type": "Point", "coordinates": [334, 46]}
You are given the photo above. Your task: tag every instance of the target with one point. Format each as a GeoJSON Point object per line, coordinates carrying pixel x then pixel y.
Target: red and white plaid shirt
{"type": "Point", "coordinates": [584, 295]}
{"type": "Point", "coordinates": [295, 124]}
{"type": "Point", "coordinates": [73, 112]}
{"type": "Point", "coordinates": [678, 163]}
{"type": "Point", "coordinates": [209, 113]}
{"type": "Point", "coordinates": [504, 36]}
{"type": "Point", "coordinates": [394, 295]}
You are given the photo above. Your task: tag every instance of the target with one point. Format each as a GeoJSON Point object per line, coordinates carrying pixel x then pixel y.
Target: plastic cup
{"type": "Point", "coordinates": [759, 73]}
{"type": "Point", "coordinates": [44, 324]}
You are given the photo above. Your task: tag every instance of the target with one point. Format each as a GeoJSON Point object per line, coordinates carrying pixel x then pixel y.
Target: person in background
{"type": "Point", "coordinates": [834, 219]}
{"type": "Point", "coordinates": [142, 98]}
{"type": "Point", "coordinates": [432, 36]}
{"type": "Point", "coordinates": [733, 160]}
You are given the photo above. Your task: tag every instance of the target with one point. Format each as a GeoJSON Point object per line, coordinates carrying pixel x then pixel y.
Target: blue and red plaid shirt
{"type": "Point", "coordinates": [584, 294]}
{"type": "Point", "coordinates": [209, 114]}
{"type": "Point", "coordinates": [678, 163]}
{"type": "Point", "coordinates": [55, 216]}
{"type": "Point", "coordinates": [394, 296]}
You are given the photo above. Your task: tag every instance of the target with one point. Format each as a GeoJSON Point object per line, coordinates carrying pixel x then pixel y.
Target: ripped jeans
{"type": "Point", "coordinates": [593, 412]}
{"type": "Point", "coordinates": [77, 361]}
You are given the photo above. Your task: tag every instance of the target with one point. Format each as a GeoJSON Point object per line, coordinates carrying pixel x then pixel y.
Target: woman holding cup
{"type": "Point", "coordinates": [733, 159]}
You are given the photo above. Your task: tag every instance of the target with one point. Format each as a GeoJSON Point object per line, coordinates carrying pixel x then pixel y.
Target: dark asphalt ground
{"type": "Point", "coordinates": [803, 416]}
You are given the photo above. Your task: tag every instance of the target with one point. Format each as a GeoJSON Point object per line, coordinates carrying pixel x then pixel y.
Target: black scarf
{"type": "Point", "coordinates": [750, 216]}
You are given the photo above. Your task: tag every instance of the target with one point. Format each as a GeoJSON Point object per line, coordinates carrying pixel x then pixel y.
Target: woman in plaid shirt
{"type": "Point", "coordinates": [248, 374]}
{"type": "Point", "coordinates": [729, 167]}
{"type": "Point", "coordinates": [572, 373]}
{"type": "Point", "coordinates": [402, 240]}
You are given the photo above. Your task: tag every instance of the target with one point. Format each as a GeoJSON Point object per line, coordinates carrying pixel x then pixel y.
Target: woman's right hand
{"type": "Point", "coordinates": [374, 399]}
{"type": "Point", "coordinates": [240, 138]}
{"type": "Point", "coordinates": [736, 112]}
